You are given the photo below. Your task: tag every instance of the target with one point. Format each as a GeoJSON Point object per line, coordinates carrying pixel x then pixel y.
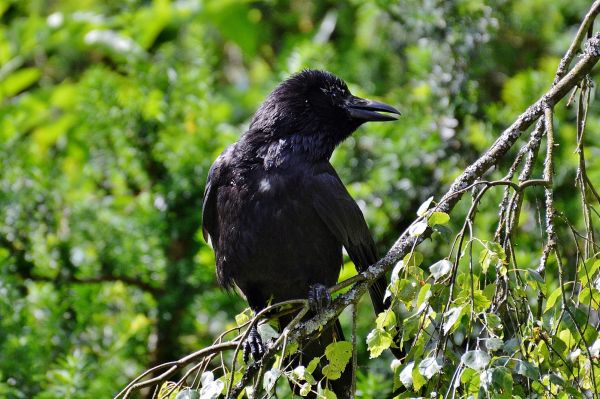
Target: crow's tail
{"type": "Point", "coordinates": [377, 293]}
{"type": "Point", "coordinates": [342, 387]}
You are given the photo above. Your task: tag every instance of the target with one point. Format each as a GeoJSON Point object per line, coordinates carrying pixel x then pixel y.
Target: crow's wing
{"type": "Point", "coordinates": [209, 213]}
{"type": "Point", "coordinates": [217, 175]}
{"type": "Point", "coordinates": [342, 215]}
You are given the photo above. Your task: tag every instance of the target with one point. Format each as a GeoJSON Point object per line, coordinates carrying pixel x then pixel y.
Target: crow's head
{"type": "Point", "coordinates": [316, 104]}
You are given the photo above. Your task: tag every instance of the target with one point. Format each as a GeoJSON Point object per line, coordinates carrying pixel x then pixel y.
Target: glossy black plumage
{"type": "Point", "coordinates": [275, 210]}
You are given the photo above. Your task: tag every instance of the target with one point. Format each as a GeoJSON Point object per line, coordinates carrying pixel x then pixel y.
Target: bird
{"type": "Point", "coordinates": [277, 214]}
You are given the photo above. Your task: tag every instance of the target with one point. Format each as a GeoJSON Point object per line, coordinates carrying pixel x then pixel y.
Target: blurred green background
{"type": "Point", "coordinates": [111, 113]}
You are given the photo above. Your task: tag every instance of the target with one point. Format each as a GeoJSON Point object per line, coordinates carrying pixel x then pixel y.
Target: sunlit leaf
{"type": "Point", "coordinates": [440, 268]}
{"type": "Point", "coordinates": [378, 341]}
{"type": "Point", "coordinates": [267, 333]}
{"type": "Point", "coordinates": [424, 206]}
{"type": "Point", "coordinates": [212, 390]}
{"type": "Point", "coordinates": [429, 367]}
{"type": "Point", "coordinates": [18, 81]}
{"type": "Point", "coordinates": [451, 317]}
{"type": "Point", "coordinates": [331, 373]}
{"type": "Point", "coordinates": [243, 317]}
{"type": "Point", "coordinates": [312, 365]}
{"type": "Point", "coordinates": [424, 295]}
{"type": "Point", "coordinates": [417, 229]}
{"type": "Point", "coordinates": [406, 375]}
{"type": "Point", "coordinates": [480, 301]}
{"type": "Point", "coordinates": [339, 354]}
{"type": "Point", "coordinates": [413, 259]}
{"type": "Point", "coordinates": [552, 298]}
{"type": "Point", "coordinates": [588, 270]}
{"type": "Point", "coordinates": [188, 394]}
{"type": "Point", "coordinates": [476, 359]}
{"type": "Point", "coordinates": [305, 389]}
{"type": "Point", "coordinates": [386, 319]}
{"type": "Point", "coordinates": [326, 394]}
{"type": "Point", "coordinates": [270, 378]}
{"type": "Point", "coordinates": [438, 218]}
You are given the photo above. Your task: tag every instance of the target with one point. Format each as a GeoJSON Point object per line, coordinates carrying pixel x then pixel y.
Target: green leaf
{"type": "Point", "coordinates": [573, 393]}
{"type": "Point", "coordinates": [386, 319]}
{"type": "Point", "coordinates": [587, 271]}
{"type": "Point", "coordinates": [417, 379]}
{"type": "Point", "coordinates": [590, 296]}
{"type": "Point", "coordinates": [493, 321]}
{"type": "Point", "coordinates": [424, 294]}
{"type": "Point", "coordinates": [18, 81]}
{"type": "Point", "coordinates": [267, 333]}
{"type": "Point", "coordinates": [164, 388]}
{"type": "Point", "coordinates": [480, 301]}
{"type": "Point", "coordinates": [244, 317]}
{"type": "Point", "coordinates": [331, 373]}
{"type": "Point", "coordinates": [308, 377]}
{"type": "Point", "coordinates": [502, 379]}
{"type": "Point", "coordinates": [292, 348]}
{"type": "Point", "coordinates": [305, 389]}
{"type": "Point", "coordinates": [492, 255]}
{"type": "Point", "coordinates": [476, 359]}
{"type": "Point", "coordinates": [312, 366]}
{"type": "Point", "coordinates": [552, 299]}
{"type": "Point", "coordinates": [404, 289]}
{"type": "Point", "coordinates": [470, 378]}
{"type": "Point", "coordinates": [378, 341]}
{"type": "Point", "coordinates": [326, 394]}
{"type": "Point", "coordinates": [438, 218]}
{"type": "Point", "coordinates": [413, 259]}
{"type": "Point", "coordinates": [533, 275]}
{"type": "Point", "coordinates": [339, 354]}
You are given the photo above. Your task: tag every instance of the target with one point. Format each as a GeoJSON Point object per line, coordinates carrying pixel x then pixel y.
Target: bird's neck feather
{"type": "Point", "coordinates": [280, 151]}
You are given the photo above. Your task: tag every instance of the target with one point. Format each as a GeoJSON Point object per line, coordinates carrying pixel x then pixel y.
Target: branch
{"type": "Point", "coordinates": [172, 367]}
{"type": "Point", "coordinates": [585, 27]}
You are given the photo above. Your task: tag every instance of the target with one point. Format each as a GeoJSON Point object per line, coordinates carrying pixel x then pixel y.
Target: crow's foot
{"type": "Point", "coordinates": [318, 297]}
{"type": "Point", "coordinates": [253, 345]}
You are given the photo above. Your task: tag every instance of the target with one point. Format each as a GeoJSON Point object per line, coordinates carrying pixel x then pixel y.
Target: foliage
{"type": "Point", "coordinates": [112, 111]}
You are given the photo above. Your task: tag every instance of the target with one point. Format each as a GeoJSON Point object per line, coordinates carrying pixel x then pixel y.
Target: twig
{"type": "Point", "coordinates": [172, 367]}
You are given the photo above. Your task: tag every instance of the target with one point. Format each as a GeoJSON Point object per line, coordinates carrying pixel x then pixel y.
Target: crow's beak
{"type": "Point", "coordinates": [369, 110]}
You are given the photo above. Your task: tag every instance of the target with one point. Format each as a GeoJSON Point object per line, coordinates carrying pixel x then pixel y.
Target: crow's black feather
{"type": "Point", "coordinates": [275, 210]}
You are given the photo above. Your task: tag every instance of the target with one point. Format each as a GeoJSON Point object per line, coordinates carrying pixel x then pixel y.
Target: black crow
{"type": "Point", "coordinates": [276, 212]}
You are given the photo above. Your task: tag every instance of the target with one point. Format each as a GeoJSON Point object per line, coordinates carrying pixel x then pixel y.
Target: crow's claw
{"type": "Point", "coordinates": [253, 345]}
{"type": "Point", "coordinates": [318, 297]}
